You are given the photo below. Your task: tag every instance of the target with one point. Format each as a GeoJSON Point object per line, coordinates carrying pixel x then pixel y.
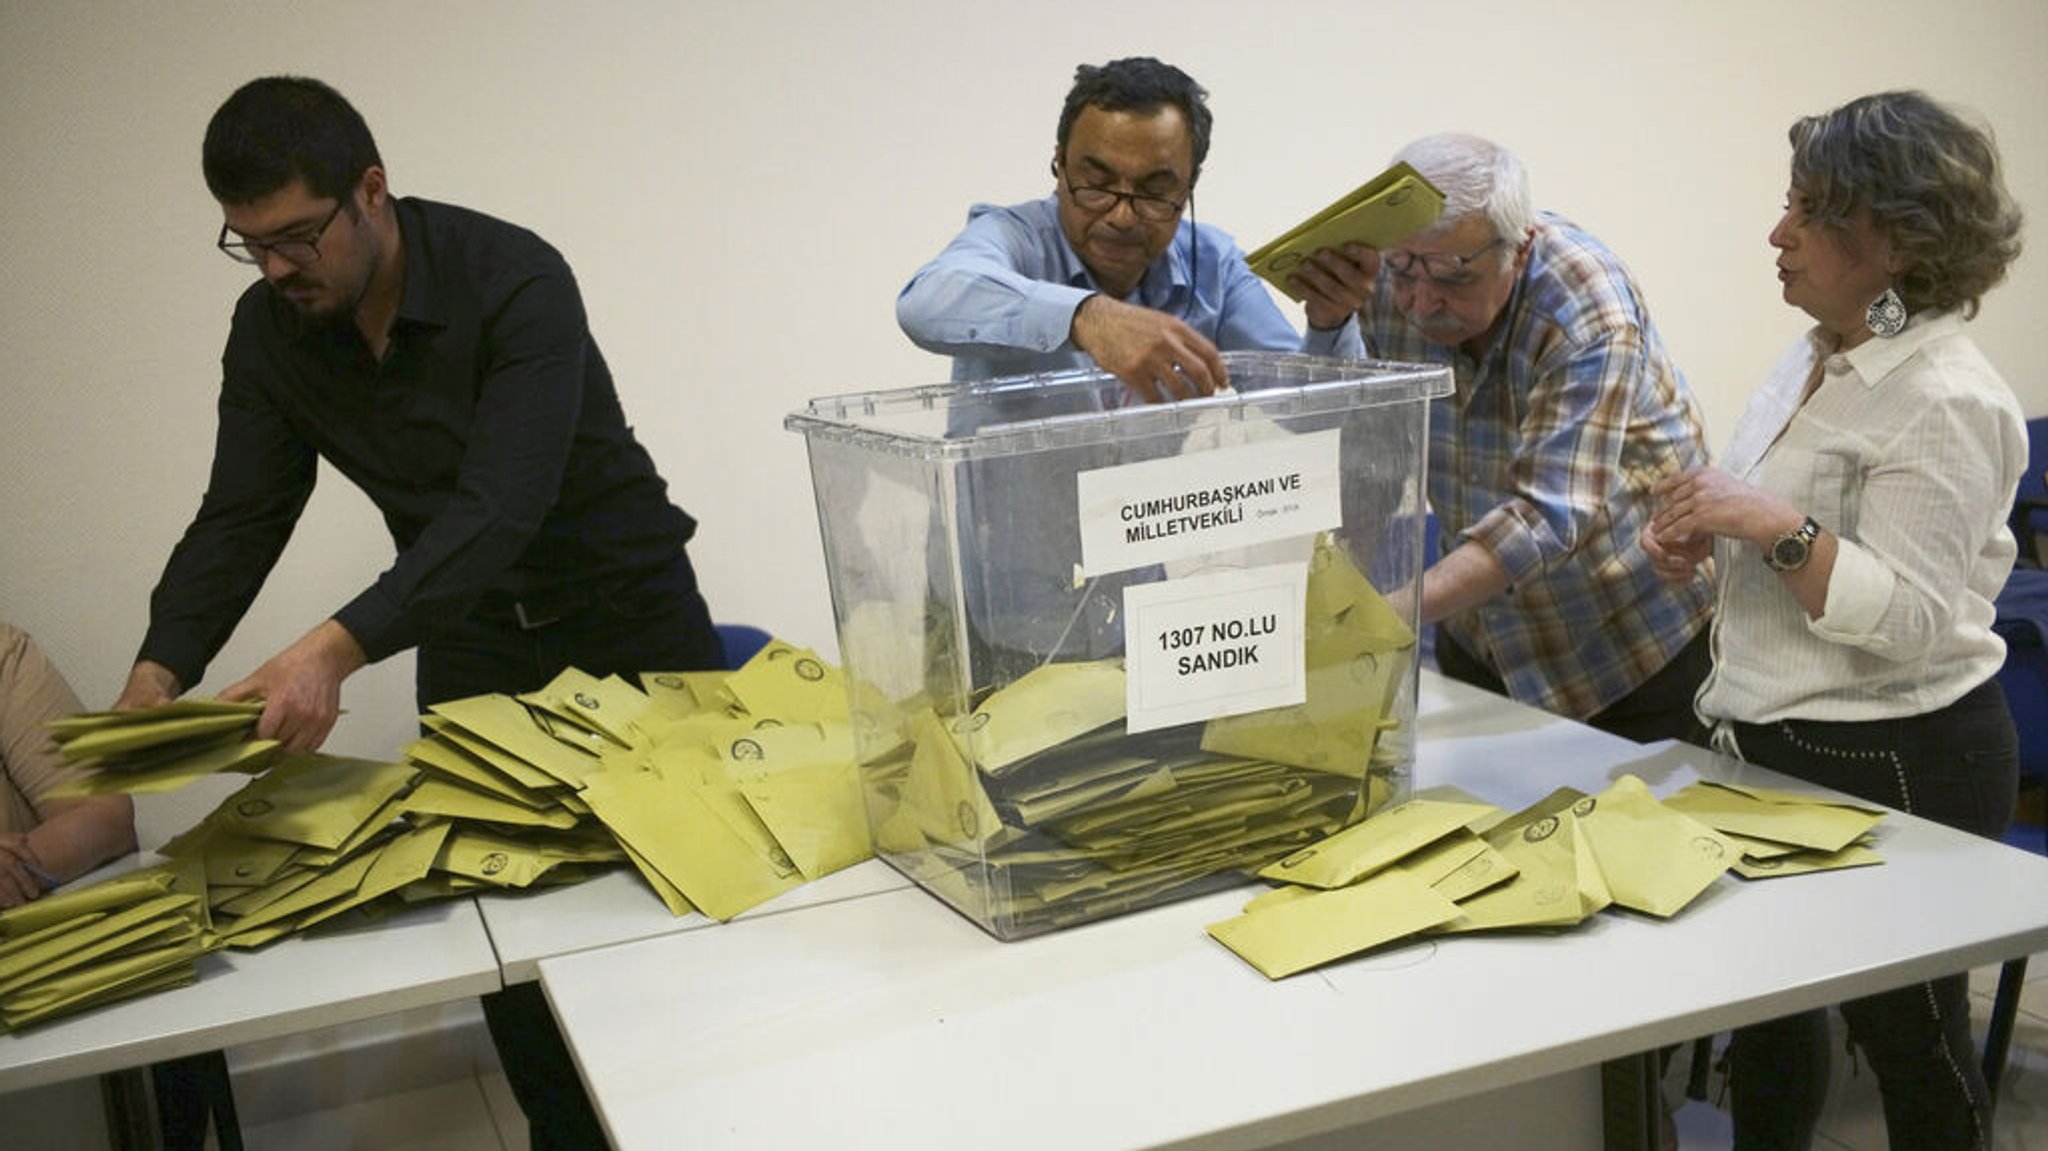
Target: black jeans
{"type": "Point", "coordinates": [655, 621]}
{"type": "Point", "coordinates": [1659, 708]}
{"type": "Point", "coordinates": [1957, 766]}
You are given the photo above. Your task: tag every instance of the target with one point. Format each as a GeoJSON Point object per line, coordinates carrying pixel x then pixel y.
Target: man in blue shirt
{"type": "Point", "coordinates": [1105, 271]}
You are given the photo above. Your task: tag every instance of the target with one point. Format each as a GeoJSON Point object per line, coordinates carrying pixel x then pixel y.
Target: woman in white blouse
{"type": "Point", "coordinates": [1857, 528]}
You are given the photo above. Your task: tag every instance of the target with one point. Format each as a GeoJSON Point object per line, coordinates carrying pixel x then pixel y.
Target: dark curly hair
{"type": "Point", "coordinates": [1139, 84]}
{"type": "Point", "coordinates": [1931, 184]}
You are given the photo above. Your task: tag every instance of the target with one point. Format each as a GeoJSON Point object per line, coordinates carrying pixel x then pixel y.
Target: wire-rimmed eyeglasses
{"type": "Point", "coordinates": [1444, 269]}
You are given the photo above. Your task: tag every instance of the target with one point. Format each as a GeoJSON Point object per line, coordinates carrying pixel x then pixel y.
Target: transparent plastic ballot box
{"type": "Point", "coordinates": [1103, 654]}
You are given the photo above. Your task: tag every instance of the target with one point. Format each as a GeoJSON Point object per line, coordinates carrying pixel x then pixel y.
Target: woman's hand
{"type": "Point", "coordinates": [1675, 560]}
{"type": "Point", "coordinates": [1706, 502]}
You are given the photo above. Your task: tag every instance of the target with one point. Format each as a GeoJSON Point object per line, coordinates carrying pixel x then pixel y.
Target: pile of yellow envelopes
{"type": "Point", "coordinates": [723, 789]}
{"type": "Point", "coordinates": [78, 949]}
{"type": "Point", "coordinates": [1782, 832]}
{"type": "Point", "coordinates": [160, 748]}
{"type": "Point", "coordinates": [1448, 864]}
{"type": "Point", "coordinates": [1038, 808]}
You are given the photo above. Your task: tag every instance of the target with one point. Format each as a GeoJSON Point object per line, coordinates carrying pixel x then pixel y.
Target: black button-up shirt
{"type": "Point", "coordinates": [490, 437]}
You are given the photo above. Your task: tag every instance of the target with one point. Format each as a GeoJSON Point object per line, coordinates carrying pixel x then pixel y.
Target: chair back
{"type": "Point", "coordinates": [741, 642]}
{"type": "Point", "coordinates": [2029, 519]}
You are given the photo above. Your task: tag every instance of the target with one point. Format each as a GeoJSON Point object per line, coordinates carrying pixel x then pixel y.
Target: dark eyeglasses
{"type": "Point", "coordinates": [1103, 201]}
{"type": "Point", "coordinates": [1444, 269]}
{"type": "Point", "coordinates": [300, 250]}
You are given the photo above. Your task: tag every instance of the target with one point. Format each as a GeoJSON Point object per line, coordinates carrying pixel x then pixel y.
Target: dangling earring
{"type": "Point", "coordinates": [1886, 315]}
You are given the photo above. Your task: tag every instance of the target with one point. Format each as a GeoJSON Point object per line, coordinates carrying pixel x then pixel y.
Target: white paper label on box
{"type": "Point", "coordinates": [1217, 644]}
{"type": "Point", "coordinates": [1201, 502]}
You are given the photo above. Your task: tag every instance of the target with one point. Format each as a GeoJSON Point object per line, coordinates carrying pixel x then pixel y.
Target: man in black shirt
{"type": "Point", "coordinates": [440, 360]}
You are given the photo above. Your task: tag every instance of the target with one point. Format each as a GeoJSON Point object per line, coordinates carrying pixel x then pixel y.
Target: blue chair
{"type": "Point", "coordinates": [2022, 621]}
{"type": "Point", "coordinates": [741, 642]}
{"type": "Point", "coordinates": [2029, 519]}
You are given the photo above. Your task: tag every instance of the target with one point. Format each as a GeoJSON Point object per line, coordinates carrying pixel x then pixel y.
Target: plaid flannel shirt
{"type": "Point", "coordinates": [1545, 454]}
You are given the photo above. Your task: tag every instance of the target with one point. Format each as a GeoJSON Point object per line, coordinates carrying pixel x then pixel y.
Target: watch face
{"type": "Point", "coordinates": [1788, 552]}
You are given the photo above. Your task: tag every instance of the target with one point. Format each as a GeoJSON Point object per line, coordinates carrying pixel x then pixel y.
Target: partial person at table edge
{"type": "Point", "coordinates": [46, 840]}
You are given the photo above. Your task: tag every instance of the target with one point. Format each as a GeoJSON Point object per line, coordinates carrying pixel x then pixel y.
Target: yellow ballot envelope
{"type": "Point", "coordinates": [802, 782]}
{"type": "Point", "coordinates": [439, 756]}
{"type": "Point", "coordinates": [131, 973]}
{"type": "Point", "coordinates": [161, 748]}
{"type": "Point", "coordinates": [1379, 213]}
{"type": "Point", "coordinates": [1357, 651]}
{"type": "Point", "coordinates": [668, 822]}
{"type": "Point", "coordinates": [1806, 862]}
{"type": "Point", "coordinates": [505, 724]}
{"type": "Point", "coordinates": [1375, 843]}
{"type": "Point", "coordinates": [62, 906]}
{"type": "Point", "coordinates": [1460, 865]}
{"type": "Point", "coordinates": [1781, 816]}
{"type": "Point", "coordinates": [704, 767]}
{"type": "Point", "coordinates": [671, 896]}
{"type": "Point", "coordinates": [943, 794]}
{"type": "Point", "coordinates": [1281, 937]}
{"type": "Point", "coordinates": [1558, 882]}
{"type": "Point", "coordinates": [1043, 708]}
{"type": "Point", "coordinates": [605, 706]}
{"type": "Point", "coordinates": [672, 694]}
{"type": "Point", "coordinates": [1656, 860]}
{"type": "Point", "coordinates": [123, 738]}
{"type": "Point", "coordinates": [314, 799]}
{"type": "Point", "coordinates": [790, 683]}
{"type": "Point", "coordinates": [123, 936]}
{"type": "Point", "coordinates": [451, 800]}
{"type": "Point", "coordinates": [173, 772]}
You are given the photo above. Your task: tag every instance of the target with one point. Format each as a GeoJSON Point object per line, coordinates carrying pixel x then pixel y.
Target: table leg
{"type": "Point", "coordinates": [1998, 1037]}
{"type": "Point", "coordinates": [191, 1091]}
{"type": "Point", "coordinates": [1629, 1105]}
{"type": "Point", "coordinates": [125, 1096]}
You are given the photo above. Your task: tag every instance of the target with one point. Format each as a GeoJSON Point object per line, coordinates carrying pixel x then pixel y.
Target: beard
{"type": "Point", "coordinates": [317, 304]}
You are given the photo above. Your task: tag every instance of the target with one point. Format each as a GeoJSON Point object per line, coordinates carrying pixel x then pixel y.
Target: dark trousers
{"type": "Point", "coordinates": [1659, 708]}
{"type": "Point", "coordinates": [653, 623]}
{"type": "Point", "coordinates": [650, 622]}
{"type": "Point", "coordinates": [1957, 766]}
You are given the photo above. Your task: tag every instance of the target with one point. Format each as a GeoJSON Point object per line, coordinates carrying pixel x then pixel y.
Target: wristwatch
{"type": "Point", "coordinates": [1790, 551]}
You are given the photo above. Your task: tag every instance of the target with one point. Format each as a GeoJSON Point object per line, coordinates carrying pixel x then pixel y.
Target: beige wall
{"type": "Point", "coordinates": [743, 187]}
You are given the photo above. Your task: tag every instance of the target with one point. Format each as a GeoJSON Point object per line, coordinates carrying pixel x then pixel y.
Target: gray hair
{"type": "Point", "coordinates": [1930, 181]}
{"type": "Point", "coordinates": [1475, 176]}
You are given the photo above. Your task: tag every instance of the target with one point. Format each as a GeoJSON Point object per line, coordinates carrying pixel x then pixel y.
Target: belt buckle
{"type": "Point", "coordinates": [527, 623]}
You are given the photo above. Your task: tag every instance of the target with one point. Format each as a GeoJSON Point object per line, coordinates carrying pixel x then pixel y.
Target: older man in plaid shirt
{"type": "Point", "coordinates": [1567, 411]}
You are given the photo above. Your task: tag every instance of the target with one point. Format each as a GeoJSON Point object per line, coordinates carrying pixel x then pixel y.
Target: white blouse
{"type": "Point", "coordinates": [1908, 453]}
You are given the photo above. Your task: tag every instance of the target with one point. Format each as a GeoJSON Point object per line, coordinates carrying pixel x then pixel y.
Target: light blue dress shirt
{"type": "Point", "coordinates": [1000, 298]}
